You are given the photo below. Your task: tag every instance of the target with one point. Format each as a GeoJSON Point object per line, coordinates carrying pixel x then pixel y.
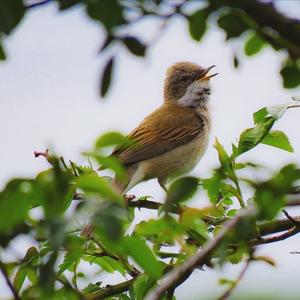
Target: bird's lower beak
{"type": "Point", "coordinates": [204, 76]}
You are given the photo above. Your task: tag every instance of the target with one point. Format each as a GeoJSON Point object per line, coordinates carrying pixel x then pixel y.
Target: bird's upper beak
{"type": "Point", "coordinates": [204, 76]}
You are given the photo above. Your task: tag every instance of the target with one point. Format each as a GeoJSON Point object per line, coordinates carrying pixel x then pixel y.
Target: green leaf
{"type": "Point", "coordinates": [108, 12]}
{"type": "Point", "coordinates": [253, 136]}
{"type": "Point", "coordinates": [20, 278]}
{"type": "Point", "coordinates": [253, 45]}
{"type": "Point", "coordinates": [112, 139]}
{"type": "Point", "coordinates": [270, 195]}
{"type": "Point", "coordinates": [92, 183]}
{"type": "Point", "coordinates": [11, 13]}
{"type": "Point", "coordinates": [278, 139]}
{"type": "Point", "coordinates": [290, 73]}
{"type": "Point", "coordinates": [225, 159]}
{"type": "Point", "coordinates": [15, 201]}
{"type": "Point", "coordinates": [180, 191]}
{"type": "Point", "coordinates": [166, 228]}
{"type": "Point", "coordinates": [232, 212]}
{"type": "Point", "coordinates": [197, 24]}
{"type": "Point", "coordinates": [233, 24]}
{"type": "Point", "coordinates": [69, 260]}
{"type": "Point", "coordinates": [112, 163]}
{"type": "Point", "coordinates": [110, 220]}
{"type": "Point", "coordinates": [56, 190]}
{"type": "Point", "coordinates": [32, 275]}
{"type": "Point", "coordinates": [134, 46]}
{"type": "Point", "coordinates": [225, 281]}
{"type": "Point", "coordinates": [212, 186]}
{"type": "Point", "coordinates": [227, 201]}
{"type": "Point", "coordinates": [106, 77]}
{"type": "Point", "coordinates": [141, 286]}
{"type": "Point", "coordinates": [2, 53]}
{"type": "Point", "coordinates": [143, 256]}
{"type": "Point", "coordinates": [260, 115]}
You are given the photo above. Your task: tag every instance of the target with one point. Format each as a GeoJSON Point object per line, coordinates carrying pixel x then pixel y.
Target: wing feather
{"type": "Point", "coordinates": [160, 132]}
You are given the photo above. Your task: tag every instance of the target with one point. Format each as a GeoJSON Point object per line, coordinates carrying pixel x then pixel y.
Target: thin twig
{"type": "Point", "coordinates": [295, 222]}
{"type": "Point", "coordinates": [232, 287]}
{"type": "Point", "coordinates": [277, 238]}
{"type": "Point", "coordinates": [36, 4]}
{"type": "Point", "coordinates": [8, 282]}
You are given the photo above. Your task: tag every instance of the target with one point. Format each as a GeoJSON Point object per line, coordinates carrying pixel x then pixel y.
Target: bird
{"type": "Point", "coordinates": [171, 140]}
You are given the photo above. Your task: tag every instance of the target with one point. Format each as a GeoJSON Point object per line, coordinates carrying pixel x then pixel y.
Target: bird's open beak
{"type": "Point", "coordinates": [204, 76]}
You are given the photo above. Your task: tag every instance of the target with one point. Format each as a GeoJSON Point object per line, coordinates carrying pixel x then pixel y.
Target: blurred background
{"type": "Point", "coordinates": [49, 98]}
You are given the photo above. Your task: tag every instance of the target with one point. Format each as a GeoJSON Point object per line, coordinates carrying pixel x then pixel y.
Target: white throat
{"type": "Point", "coordinates": [196, 94]}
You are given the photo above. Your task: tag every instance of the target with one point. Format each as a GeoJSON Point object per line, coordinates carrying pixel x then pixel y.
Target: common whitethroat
{"type": "Point", "coordinates": [172, 139]}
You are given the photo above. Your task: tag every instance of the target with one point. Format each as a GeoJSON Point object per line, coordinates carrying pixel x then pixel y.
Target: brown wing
{"type": "Point", "coordinates": [168, 127]}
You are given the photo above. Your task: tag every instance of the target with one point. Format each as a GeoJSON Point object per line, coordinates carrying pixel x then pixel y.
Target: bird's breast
{"type": "Point", "coordinates": [177, 161]}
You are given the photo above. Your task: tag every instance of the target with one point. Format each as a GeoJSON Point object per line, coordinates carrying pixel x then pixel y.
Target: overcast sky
{"type": "Point", "coordinates": [48, 96]}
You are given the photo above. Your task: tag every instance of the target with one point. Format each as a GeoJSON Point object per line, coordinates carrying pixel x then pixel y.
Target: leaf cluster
{"type": "Point", "coordinates": [142, 250]}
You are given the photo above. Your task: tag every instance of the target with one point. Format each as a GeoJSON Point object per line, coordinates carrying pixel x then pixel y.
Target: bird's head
{"type": "Point", "coordinates": [188, 84]}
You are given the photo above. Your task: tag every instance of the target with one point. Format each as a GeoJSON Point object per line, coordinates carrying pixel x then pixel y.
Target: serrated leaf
{"type": "Point", "coordinates": [197, 24]}
{"type": "Point", "coordinates": [278, 139]}
{"type": "Point", "coordinates": [143, 256]}
{"type": "Point", "coordinates": [253, 45]}
{"type": "Point", "coordinates": [134, 46]}
{"type": "Point", "coordinates": [106, 77]}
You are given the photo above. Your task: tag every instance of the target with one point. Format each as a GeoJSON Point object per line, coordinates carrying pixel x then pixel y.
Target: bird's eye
{"type": "Point", "coordinates": [184, 78]}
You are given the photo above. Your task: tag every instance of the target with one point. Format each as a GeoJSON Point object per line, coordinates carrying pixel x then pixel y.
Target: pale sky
{"type": "Point", "coordinates": [48, 96]}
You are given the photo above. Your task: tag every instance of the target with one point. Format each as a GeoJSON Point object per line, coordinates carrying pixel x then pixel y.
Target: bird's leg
{"type": "Point", "coordinates": [162, 184]}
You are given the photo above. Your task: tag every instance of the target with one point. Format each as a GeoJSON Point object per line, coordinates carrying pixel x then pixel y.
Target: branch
{"type": "Point", "coordinates": [277, 238]}
{"type": "Point", "coordinates": [11, 287]}
{"type": "Point", "coordinates": [111, 290]}
{"type": "Point", "coordinates": [277, 226]}
{"type": "Point", "coordinates": [178, 275]}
